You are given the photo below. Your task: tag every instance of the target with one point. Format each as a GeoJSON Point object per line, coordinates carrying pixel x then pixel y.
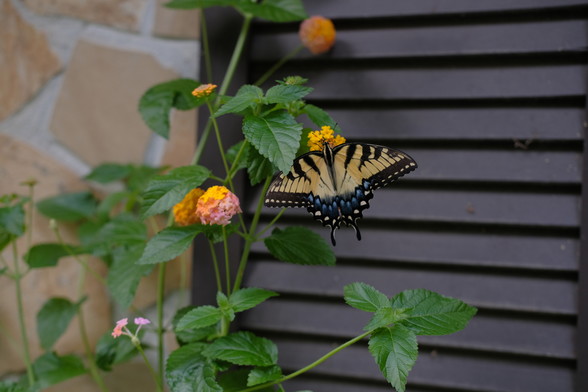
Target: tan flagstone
{"type": "Point", "coordinates": [176, 23]}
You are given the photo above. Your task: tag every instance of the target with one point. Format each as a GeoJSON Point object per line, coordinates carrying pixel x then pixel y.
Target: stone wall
{"type": "Point", "coordinates": [71, 74]}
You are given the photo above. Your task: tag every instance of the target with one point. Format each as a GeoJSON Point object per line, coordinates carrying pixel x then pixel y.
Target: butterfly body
{"type": "Point", "coordinates": [336, 184]}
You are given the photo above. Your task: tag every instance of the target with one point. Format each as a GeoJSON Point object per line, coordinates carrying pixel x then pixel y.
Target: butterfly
{"type": "Point", "coordinates": [336, 184]}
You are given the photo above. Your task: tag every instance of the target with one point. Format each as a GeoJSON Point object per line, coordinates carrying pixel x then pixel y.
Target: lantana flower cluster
{"type": "Point", "coordinates": [326, 135]}
{"type": "Point", "coordinates": [317, 34]}
{"type": "Point", "coordinates": [216, 206]}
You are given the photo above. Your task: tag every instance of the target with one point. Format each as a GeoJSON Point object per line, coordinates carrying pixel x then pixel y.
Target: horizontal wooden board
{"type": "Point", "coordinates": [472, 249]}
{"type": "Point", "coordinates": [527, 209]}
{"type": "Point", "coordinates": [379, 8]}
{"type": "Point", "coordinates": [341, 384]}
{"type": "Point", "coordinates": [490, 333]}
{"type": "Point", "coordinates": [439, 368]}
{"type": "Point", "coordinates": [439, 83]}
{"type": "Point", "coordinates": [521, 38]}
{"type": "Point", "coordinates": [508, 123]}
{"type": "Point", "coordinates": [492, 291]}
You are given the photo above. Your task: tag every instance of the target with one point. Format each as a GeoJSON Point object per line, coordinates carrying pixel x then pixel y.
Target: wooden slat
{"type": "Point", "coordinates": [441, 82]}
{"type": "Point", "coordinates": [493, 291]}
{"type": "Point", "coordinates": [470, 207]}
{"type": "Point", "coordinates": [556, 37]}
{"type": "Point", "coordinates": [460, 123]}
{"type": "Point", "coordinates": [339, 384]}
{"type": "Point", "coordinates": [474, 248]}
{"type": "Point", "coordinates": [491, 333]}
{"type": "Point", "coordinates": [379, 8]}
{"type": "Point", "coordinates": [439, 368]}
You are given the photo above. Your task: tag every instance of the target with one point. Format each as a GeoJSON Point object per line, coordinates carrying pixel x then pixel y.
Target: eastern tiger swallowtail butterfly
{"type": "Point", "coordinates": [335, 185]}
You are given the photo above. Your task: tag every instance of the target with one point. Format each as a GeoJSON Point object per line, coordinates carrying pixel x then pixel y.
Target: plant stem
{"type": "Point", "coordinates": [269, 225]}
{"type": "Point", "coordinates": [251, 237]}
{"type": "Point", "coordinates": [160, 329]}
{"type": "Point", "coordinates": [278, 65]}
{"type": "Point", "coordinates": [219, 286]}
{"type": "Point", "coordinates": [206, 47]}
{"type": "Point", "coordinates": [21, 320]}
{"type": "Point", "coordinates": [227, 269]}
{"type": "Point", "coordinates": [312, 365]}
{"type": "Point", "coordinates": [158, 379]}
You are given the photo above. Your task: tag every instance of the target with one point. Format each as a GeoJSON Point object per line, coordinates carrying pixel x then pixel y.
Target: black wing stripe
{"type": "Point", "coordinates": [349, 155]}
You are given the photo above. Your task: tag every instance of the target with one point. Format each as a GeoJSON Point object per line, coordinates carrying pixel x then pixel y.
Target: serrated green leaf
{"type": "Point", "coordinates": [53, 319]}
{"type": "Point", "coordinates": [248, 298]}
{"type": "Point", "coordinates": [124, 274]}
{"type": "Point", "coordinates": [285, 93]}
{"type": "Point", "coordinates": [12, 220]}
{"type": "Point", "coordinates": [276, 10]}
{"type": "Point", "coordinates": [51, 369]}
{"type": "Point", "coordinates": [260, 375]}
{"type": "Point", "coordinates": [299, 245]}
{"type": "Point", "coordinates": [191, 4]}
{"type": "Point", "coordinates": [429, 313]}
{"type": "Point", "coordinates": [275, 136]}
{"type": "Point", "coordinates": [123, 230]}
{"type": "Point", "coordinates": [384, 317]}
{"type": "Point", "coordinates": [259, 167]}
{"type": "Point", "coordinates": [395, 350]}
{"type": "Point", "coordinates": [321, 118]}
{"type": "Point", "coordinates": [243, 348]}
{"type": "Point", "coordinates": [140, 177]}
{"type": "Point", "coordinates": [109, 172]}
{"type": "Point", "coordinates": [247, 96]}
{"type": "Point", "coordinates": [112, 200]}
{"type": "Point", "coordinates": [362, 296]}
{"type": "Point", "coordinates": [189, 335]}
{"type": "Point", "coordinates": [68, 207]}
{"type": "Point", "coordinates": [187, 370]}
{"type": "Point", "coordinates": [156, 103]}
{"type": "Point", "coordinates": [48, 255]}
{"type": "Point", "coordinates": [200, 317]}
{"type": "Point", "coordinates": [110, 351]}
{"type": "Point", "coordinates": [163, 192]}
{"type": "Point", "coordinates": [169, 244]}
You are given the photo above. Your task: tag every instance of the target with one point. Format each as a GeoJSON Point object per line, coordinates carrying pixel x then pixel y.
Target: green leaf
{"type": "Point", "coordinates": [276, 10]}
{"type": "Point", "coordinates": [188, 371]}
{"type": "Point", "coordinates": [124, 230]}
{"type": "Point", "coordinates": [110, 351]}
{"type": "Point", "coordinates": [299, 245]}
{"type": "Point", "coordinates": [12, 220]}
{"type": "Point", "coordinates": [233, 151]}
{"type": "Point", "coordinates": [140, 177]}
{"type": "Point", "coordinates": [5, 238]}
{"type": "Point", "coordinates": [124, 274]}
{"type": "Point", "coordinates": [68, 207]}
{"type": "Point", "coordinates": [109, 172]}
{"type": "Point", "coordinates": [395, 351]}
{"type": "Point", "coordinates": [362, 296]}
{"type": "Point", "coordinates": [321, 118]}
{"type": "Point", "coordinates": [188, 335]}
{"type": "Point", "coordinates": [112, 200]}
{"type": "Point", "coordinates": [258, 167]}
{"type": "Point", "coordinates": [156, 103]}
{"type": "Point", "coordinates": [285, 93]}
{"type": "Point", "coordinates": [48, 255]}
{"type": "Point", "coordinates": [262, 375]}
{"type": "Point", "coordinates": [53, 319]}
{"type": "Point", "coordinates": [13, 386]}
{"type": "Point", "coordinates": [200, 317]}
{"type": "Point", "coordinates": [163, 192]}
{"type": "Point", "coordinates": [429, 313]}
{"type": "Point", "coordinates": [51, 369]}
{"type": "Point", "coordinates": [190, 4]}
{"type": "Point", "coordinates": [247, 96]}
{"type": "Point", "coordinates": [243, 348]}
{"type": "Point", "coordinates": [384, 317]}
{"type": "Point", "coordinates": [169, 244]}
{"type": "Point", "coordinates": [248, 298]}
{"type": "Point", "coordinates": [276, 137]}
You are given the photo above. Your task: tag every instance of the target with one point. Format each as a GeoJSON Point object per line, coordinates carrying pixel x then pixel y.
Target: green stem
{"type": "Point", "coordinates": [21, 320]}
{"type": "Point", "coordinates": [238, 157]}
{"type": "Point", "coordinates": [225, 84]}
{"type": "Point", "coordinates": [219, 286]}
{"type": "Point", "coordinates": [206, 47]}
{"type": "Point", "coordinates": [158, 379]}
{"type": "Point", "coordinates": [269, 225]}
{"type": "Point", "coordinates": [160, 327]}
{"type": "Point", "coordinates": [312, 365]}
{"type": "Point", "coordinates": [251, 237]}
{"type": "Point", "coordinates": [227, 266]}
{"type": "Point", "coordinates": [278, 65]}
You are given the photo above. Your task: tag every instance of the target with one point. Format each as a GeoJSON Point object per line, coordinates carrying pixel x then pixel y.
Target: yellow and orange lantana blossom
{"type": "Point", "coordinates": [317, 34]}
{"type": "Point", "coordinates": [317, 139]}
{"type": "Point", "coordinates": [204, 90]}
{"type": "Point", "coordinates": [216, 206]}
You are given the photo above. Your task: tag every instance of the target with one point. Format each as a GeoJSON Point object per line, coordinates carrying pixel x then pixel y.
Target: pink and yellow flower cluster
{"type": "Point", "coordinates": [216, 206]}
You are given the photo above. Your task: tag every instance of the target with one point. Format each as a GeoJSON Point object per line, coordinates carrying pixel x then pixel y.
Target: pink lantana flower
{"type": "Point", "coordinates": [118, 330]}
{"type": "Point", "coordinates": [217, 206]}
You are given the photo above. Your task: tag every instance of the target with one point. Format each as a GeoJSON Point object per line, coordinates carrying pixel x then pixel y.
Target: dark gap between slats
{"type": "Point", "coordinates": [465, 352]}
{"type": "Point", "coordinates": [477, 18]}
{"type": "Point", "coordinates": [486, 186]}
{"type": "Point", "coordinates": [482, 144]}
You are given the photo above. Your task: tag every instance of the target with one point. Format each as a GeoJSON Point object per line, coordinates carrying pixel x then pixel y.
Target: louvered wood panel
{"type": "Point", "coordinates": [489, 98]}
